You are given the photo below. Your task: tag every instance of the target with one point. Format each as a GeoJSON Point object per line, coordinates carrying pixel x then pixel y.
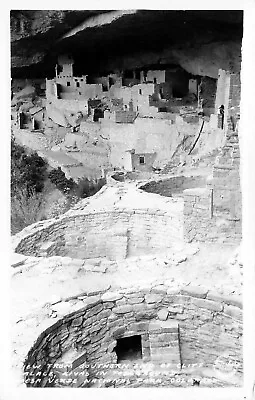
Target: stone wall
{"type": "Point", "coordinates": [149, 159]}
{"type": "Point", "coordinates": [193, 326]}
{"type": "Point", "coordinates": [203, 223]}
{"type": "Point", "coordinates": [146, 135]}
{"type": "Point", "coordinates": [113, 234]}
{"type": "Point", "coordinates": [207, 94]}
{"type": "Point", "coordinates": [222, 94]}
{"type": "Point", "coordinates": [214, 214]}
{"type": "Point", "coordinates": [225, 182]}
{"type": "Point", "coordinates": [125, 117]}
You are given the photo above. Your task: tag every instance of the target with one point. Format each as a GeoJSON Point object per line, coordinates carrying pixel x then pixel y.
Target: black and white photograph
{"type": "Point", "coordinates": [126, 200]}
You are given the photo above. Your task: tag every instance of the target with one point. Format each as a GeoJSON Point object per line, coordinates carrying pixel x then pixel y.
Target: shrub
{"type": "Point", "coordinates": [57, 176]}
{"type": "Point", "coordinates": [85, 187]}
{"type": "Point", "coordinates": [26, 208]}
{"type": "Point", "coordinates": [28, 171]}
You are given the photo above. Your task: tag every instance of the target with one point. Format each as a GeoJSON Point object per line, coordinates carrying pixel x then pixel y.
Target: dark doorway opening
{"type": "Point", "coordinates": [105, 87]}
{"type": "Point", "coordinates": [129, 348]}
{"type": "Point", "coordinates": [98, 113]}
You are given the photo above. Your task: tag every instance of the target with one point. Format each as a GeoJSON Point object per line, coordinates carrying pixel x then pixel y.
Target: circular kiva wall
{"type": "Point", "coordinates": [174, 186]}
{"type": "Point", "coordinates": [191, 328]}
{"type": "Point", "coordinates": [115, 234]}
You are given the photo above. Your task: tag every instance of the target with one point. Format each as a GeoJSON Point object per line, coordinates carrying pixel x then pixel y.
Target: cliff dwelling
{"type": "Point", "coordinates": [138, 284]}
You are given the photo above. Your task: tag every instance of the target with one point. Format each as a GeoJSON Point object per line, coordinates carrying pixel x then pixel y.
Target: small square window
{"type": "Point", "coordinates": [142, 160]}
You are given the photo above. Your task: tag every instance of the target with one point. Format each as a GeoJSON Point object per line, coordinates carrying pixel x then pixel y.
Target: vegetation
{"type": "Point", "coordinates": [28, 174]}
{"type": "Point", "coordinates": [28, 171]}
{"type": "Point", "coordinates": [84, 188]}
{"type": "Point", "coordinates": [57, 176]}
{"type": "Point", "coordinates": [26, 209]}
{"type": "Point", "coordinates": [37, 193]}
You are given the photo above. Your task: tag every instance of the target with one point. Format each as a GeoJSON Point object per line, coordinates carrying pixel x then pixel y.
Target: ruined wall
{"type": "Point", "coordinates": [222, 200]}
{"type": "Point", "coordinates": [149, 159]}
{"type": "Point", "coordinates": [222, 93]}
{"type": "Point", "coordinates": [192, 326]}
{"type": "Point", "coordinates": [207, 93]}
{"type": "Point", "coordinates": [145, 136]}
{"type": "Point", "coordinates": [72, 88]}
{"type": "Point", "coordinates": [203, 223]}
{"type": "Point", "coordinates": [226, 176]}
{"type": "Point", "coordinates": [156, 76]}
{"type": "Point", "coordinates": [70, 105]}
{"type": "Point", "coordinates": [125, 117]}
{"type": "Point", "coordinates": [113, 234]}
{"type": "Point", "coordinates": [87, 149]}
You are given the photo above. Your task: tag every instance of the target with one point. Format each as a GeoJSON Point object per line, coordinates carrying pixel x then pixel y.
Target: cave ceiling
{"type": "Point", "coordinates": [105, 41]}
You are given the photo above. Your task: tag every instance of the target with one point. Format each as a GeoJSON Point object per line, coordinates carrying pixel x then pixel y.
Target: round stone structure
{"type": "Point", "coordinates": [191, 329]}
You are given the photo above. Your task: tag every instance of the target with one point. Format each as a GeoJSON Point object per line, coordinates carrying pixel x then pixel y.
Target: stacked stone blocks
{"type": "Point", "coordinates": [185, 336]}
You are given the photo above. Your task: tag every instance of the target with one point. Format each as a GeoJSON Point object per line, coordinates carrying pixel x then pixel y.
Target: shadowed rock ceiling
{"type": "Point", "coordinates": [103, 41]}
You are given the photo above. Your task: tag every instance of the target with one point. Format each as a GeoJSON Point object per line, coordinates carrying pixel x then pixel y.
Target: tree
{"type": "Point", "coordinates": [28, 171]}
{"type": "Point", "coordinates": [57, 176]}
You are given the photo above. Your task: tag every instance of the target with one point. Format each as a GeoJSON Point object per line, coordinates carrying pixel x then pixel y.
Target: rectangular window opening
{"type": "Point", "coordinates": [141, 159]}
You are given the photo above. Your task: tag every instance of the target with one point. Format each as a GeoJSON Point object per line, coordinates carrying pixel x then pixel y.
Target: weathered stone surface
{"type": "Point", "coordinates": [111, 296]}
{"type": "Point", "coordinates": [233, 312]}
{"type": "Point", "coordinates": [122, 309]}
{"type": "Point", "coordinates": [77, 321]}
{"type": "Point", "coordinates": [139, 326]}
{"type": "Point", "coordinates": [175, 309]}
{"type": "Point", "coordinates": [17, 260]}
{"type": "Point", "coordinates": [164, 337]}
{"type": "Point", "coordinates": [118, 331]}
{"type": "Point", "coordinates": [103, 314]}
{"type": "Point", "coordinates": [139, 307]}
{"type": "Point", "coordinates": [233, 301]}
{"type": "Point", "coordinates": [195, 291]}
{"type": "Point", "coordinates": [136, 300]}
{"type": "Point", "coordinates": [153, 298]}
{"type": "Point", "coordinates": [208, 304]}
{"type": "Point", "coordinates": [94, 310]}
{"type": "Point", "coordinates": [146, 314]}
{"type": "Point", "coordinates": [163, 314]}
{"type": "Point", "coordinates": [95, 328]}
{"type": "Point", "coordinates": [213, 295]}
{"type": "Point", "coordinates": [163, 326]}
{"type": "Point", "coordinates": [111, 346]}
{"type": "Point", "coordinates": [62, 308]}
{"type": "Point", "coordinates": [91, 300]}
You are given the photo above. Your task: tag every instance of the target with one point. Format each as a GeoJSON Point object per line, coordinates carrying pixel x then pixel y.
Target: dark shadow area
{"type": "Point", "coordinates": [129, 348]}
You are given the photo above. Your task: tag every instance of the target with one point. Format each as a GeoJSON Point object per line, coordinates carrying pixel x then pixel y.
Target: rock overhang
{"type": "Point", "coordinates": [157, 37]}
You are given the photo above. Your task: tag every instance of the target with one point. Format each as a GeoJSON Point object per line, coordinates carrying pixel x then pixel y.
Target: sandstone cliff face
{"type": "Point", "coordinates": [34, 32]}
{"type": "Point", "coordinates": [100, 41]}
